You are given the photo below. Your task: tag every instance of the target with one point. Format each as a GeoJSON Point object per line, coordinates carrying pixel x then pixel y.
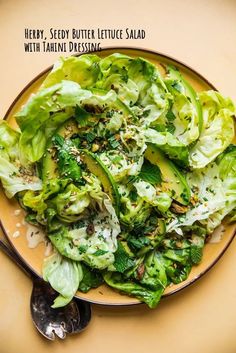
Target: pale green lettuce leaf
{"type": "Point", "coordinates": [49, 109]}
{"type": "Point", "coordinates": [186, 116]}
{"type": "Point", "coordinates": [207, 189]}
{"type": "Point", "coordinates": [122, 164]}
{"type": "Point", "coordinates": [96, 249]}
{"type": "Point", "coordinates": [64, 276]}
{"type": "Point", "coordinates": [168, 143]}
{"type": "Point", "coordinates": [149, 193]}
{"type": "Point", "coordinates": [217, 131]}
{"type": "Point", "coordinates": [152, 285]}
{"type": "Point", "coordinates": [214, 189]}
{"type": "Point", "coordinates": [115, 122]}
{"type": "Point", "coordinates": [83, 70]}
{"type": "Point", "coordinates": [136, 81]}
{"type": "Point", "coordinates": [37, 201]}
{"type": "Point", "coordinates": [163, 202]}
{"type": "Point", "coordinates": [132, 214]}
{"type": "Point", "coordinates": [9, 139]}
{"type": "Point", "coordinates": [126, 89]}
{"type": "Point", "coordinates": [70, 203]}
{"type": "Point", "coordinates": [15, 179]}
{"type": "Point", "coordinates": [227, 172]}
{"type": "Point", "coordinates": [13, 175]}
{"type": "Point", "coordinates": [115, 63]}
{"type": "Point", "coordinates": [103, 100]}
{"type": "Point", "coordinates": [153, 101]}
{"type": "Point", "coordinates": [133, 141]}
{"type": "Point", "coordinates": [145, 190]}
{"type": "Point", "coordinates": [37, 120]}
{"type": "Point", "coordinates": [154, 105]}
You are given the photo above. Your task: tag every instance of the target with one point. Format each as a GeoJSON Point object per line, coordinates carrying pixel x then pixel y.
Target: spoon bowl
{"type": "Point", "coordinates": [50, 322]}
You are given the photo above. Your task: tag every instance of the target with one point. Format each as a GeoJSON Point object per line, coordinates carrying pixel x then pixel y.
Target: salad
{"type": "Point", "coordinates": [128, 171]}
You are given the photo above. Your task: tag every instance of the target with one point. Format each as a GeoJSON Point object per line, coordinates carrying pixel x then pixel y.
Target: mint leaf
{"type": "Point", "coordinates": [91, 279]}
{"type": "Point", "coordinates": [81, 116]}
{"type": "Point", "coordinates": [122, 259]}
{"type": "Point", "coordinates": [196, 254]}
{"type": "Point", "coordinates": [138, 242]}
{"type": "Point", "coordinates": [150, 173]}
{"type": "Point", "coordinates": [67, 163]}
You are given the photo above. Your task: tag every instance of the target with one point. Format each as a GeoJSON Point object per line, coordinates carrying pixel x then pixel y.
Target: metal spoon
{"type": "Point", "coordinates": [50, 322]}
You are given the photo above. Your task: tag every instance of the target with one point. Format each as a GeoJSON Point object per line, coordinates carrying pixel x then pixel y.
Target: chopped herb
{"type": "Point", "coordinates": [160, 127]}
{"type": "Point", "coordinates": [90, 137]}
{"type": "Point", "coordinates": [110, 113]}
{"type": "Point", "coordinates": [170, 115]}
{"type": "Point", "coordinates": [113, 142]}
{"type": "Point", "coordinates": [99, 252]}
{"type": "Point", "coordinates": [196, 254]}
{"type": "Point", "coordinates": [137, 243]}
{"type": "Point", "coordinates": [117, 159]}
{"type": "Point", "coordinates": [82, 248]}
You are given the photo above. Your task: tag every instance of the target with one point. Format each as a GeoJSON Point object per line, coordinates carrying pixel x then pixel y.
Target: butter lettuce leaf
{"type": "Point", "coordinates": [217, 130]}
{"type": "Point", "coordinates": [44, 113]}
{"type": "Point", "coordinates": [227, 173]}
{"type": "Point", "coordinates": [149, 296]}
{"type": "Point", "coordinates": [83, 70]}
{"type": "Point", "coordinates": [49, 109]}
{"type": "Point", "coordinates": [186, 118]}
{"type": "Point", "coordinates": [14, 176]}
{"type": "Point", "coordinates": [208, 193]}
{"type": "Point", "coordinates": [138, 84]}
{"type": "Point", "coordinates": [169, 144]}
{"type": "Point", "coordinates": [64, 276]}
{"type": "Point", "coordinates": [214, 191]}
{"type": "Point", "coordinates": [93, 240]}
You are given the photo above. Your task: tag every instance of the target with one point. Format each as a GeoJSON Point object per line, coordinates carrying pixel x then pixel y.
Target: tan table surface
{"type": "Point", "coordinates": [202, 33]}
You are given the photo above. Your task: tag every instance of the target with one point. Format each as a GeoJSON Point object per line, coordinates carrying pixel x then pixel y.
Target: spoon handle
{"type": "Point", "coordinates": [15, 258]}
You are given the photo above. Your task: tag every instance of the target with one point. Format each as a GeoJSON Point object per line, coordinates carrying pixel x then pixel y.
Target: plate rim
{"type": "Point", "coordinates": [117, 48]}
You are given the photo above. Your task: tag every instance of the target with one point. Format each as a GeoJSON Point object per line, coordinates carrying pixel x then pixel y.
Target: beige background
{"type": "Point", "coordinates": [201, 33]}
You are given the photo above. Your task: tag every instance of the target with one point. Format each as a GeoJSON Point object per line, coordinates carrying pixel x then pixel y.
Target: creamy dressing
{"type": "Point", "coordinates": [48, 248]}
{"type": "Point", "coordinates": [34, 236]}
